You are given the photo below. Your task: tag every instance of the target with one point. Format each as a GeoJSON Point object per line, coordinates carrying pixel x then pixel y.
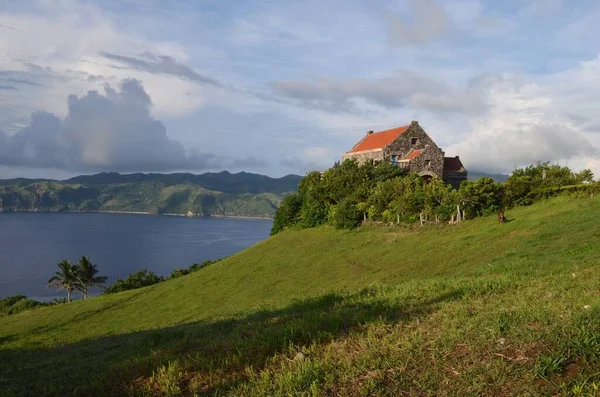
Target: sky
{"type": "Point", "coordinates": [279, 87]}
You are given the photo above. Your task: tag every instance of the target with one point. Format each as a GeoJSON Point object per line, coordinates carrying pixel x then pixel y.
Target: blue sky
{"type": "Point", "coordinates": [280, 87]}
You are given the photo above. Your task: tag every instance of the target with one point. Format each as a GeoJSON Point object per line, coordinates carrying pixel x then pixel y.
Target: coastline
{"type": "Point", "coordinates": [215, 216]}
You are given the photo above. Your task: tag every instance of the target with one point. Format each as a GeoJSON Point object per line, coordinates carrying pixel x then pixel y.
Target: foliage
{"type": "Point", "coordinates": [481, 198]}
{"type": "Point", "coordinates": [441, 199]}
{"type": "Point", "coordinates": [179, 272]}
{"type": "Point", "coordinates": [288, 213]}
{"type": "Point", "coordinates": [16, 304]}
{"type": "Point", "coordinates": [9, 301]}
{"type": "Point", "coordinates": [139, 279]}
{"type": "Point", "coordinates": [144, 277]}
{"type": "Point", "coordinates": [24, 304]}
{"type": "Point", "coordinates": [199, 266]}
{"type": "Point", "coordinates": [346, 215]}
{"type": "Point", "coordinates": [383, 192]}
{"type": "Point", "coordinates": [542, 180]}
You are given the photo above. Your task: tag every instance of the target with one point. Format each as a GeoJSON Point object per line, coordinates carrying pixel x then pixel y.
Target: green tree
{"type": "Point", "coordinates": [288, 213]}
{"type": "Point", "coordinates": [311, 191]}
{"type": "Point", "coordinates": [65, 278]}
{"type": "Point", "coordinates": [441, 199]}
{"type": "Point", "coordinates": [346, 215]}
{"type": "Point", "coordinates": [86, 276]}
{"type": "Point", "coordinates": [481, 198]}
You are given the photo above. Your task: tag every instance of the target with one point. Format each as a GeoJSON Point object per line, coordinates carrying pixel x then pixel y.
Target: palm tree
{"type": "Point", "coordinates": [86, 275]}
{"type": "Point", "coordinates": [65, 279]}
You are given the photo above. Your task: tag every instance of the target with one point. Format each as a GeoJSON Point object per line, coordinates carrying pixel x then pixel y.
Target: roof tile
{"type": "Point", "coordinates": [414, 154]}
{"type": "Point", "coordinates": [379, 140]}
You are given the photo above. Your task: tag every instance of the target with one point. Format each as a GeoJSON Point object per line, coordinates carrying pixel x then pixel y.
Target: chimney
{"type": "Point", "coordinates": [414, 122]}
{"type": "Point", "coordinates": [369, 132]}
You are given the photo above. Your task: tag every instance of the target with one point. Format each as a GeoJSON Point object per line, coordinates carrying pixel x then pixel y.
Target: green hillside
{"type": "Point", "coordinates": [210, 194]}
{"type": "Point", "coordinates": [470, 309]}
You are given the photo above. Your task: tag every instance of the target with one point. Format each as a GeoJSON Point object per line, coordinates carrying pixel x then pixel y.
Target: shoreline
{"type": "Point", "coordinates": [215, 216]}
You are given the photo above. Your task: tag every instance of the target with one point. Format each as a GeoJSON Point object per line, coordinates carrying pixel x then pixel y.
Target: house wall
{"type": "Point", "coordinates": [402, 145]}
{"type": "Point", "coordinates": [454, 178]}
{"type": "Point", "coordinates": [436, 165]}
{"type": "Point", "coordinates": [362, 157]}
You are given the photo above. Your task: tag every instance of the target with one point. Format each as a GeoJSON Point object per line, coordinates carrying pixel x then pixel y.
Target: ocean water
{"type": "Point", "coordinates": [32, 244]}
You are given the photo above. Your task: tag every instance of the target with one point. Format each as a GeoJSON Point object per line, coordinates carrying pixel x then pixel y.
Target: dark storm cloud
{"type": "Point", "coordinates": [110, 131]}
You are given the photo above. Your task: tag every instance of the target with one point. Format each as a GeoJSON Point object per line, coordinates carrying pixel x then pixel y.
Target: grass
{"type": "Point", "coordinates": [471, 309]}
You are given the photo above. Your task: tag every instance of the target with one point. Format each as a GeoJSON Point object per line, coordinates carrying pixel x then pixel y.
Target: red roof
{"type": "Point", "coordinates": [379, 140]}
{"type": "Point", "coordinates": [414, 154]}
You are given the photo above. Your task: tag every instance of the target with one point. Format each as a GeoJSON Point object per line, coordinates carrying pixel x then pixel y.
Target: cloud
{"type": "Point", "coordinates": [404, 88]}
{"type": "Point", "coordinates": [528, 121]}
{"type": "Point", "coordinates": [161, 64]}
{"type": "Point", "coordinates": [500, 151]}
{"type": "Point", "coordinates": [114, 131]}
{"type": "Point", "coordinates": [429, 20]}
{"type": "Point", "coordinates": [17, 78]}
{"type": "Point", "coordinates": [301, 164]}
{"type": "Point", "coordinates": [249, 162]}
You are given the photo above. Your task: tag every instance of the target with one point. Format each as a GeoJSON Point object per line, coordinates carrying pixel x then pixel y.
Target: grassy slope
{"type": "Point", "coordinates": [474, 308]}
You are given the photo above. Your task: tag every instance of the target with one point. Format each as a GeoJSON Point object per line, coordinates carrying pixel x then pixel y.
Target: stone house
{"type": "Point", "coordinates": [411, 148]}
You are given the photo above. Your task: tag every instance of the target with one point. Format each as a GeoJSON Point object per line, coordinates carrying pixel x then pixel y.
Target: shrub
{"type": "Point", "coordinates": [179, 272]}
{"type": "Point", "coordinates": [8, 302]}
{"type": "Point", "coordinates": [16, 304]}
{"type": "Point", "coordinates": [139, 279]}
{"type": "Point", "coordinates": [198, 266]}
{"type": "Point", "coordinates": [24, 304]}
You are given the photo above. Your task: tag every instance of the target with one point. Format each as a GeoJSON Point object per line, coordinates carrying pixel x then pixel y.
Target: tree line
{"type": "Point", "coordinates": [84, 275]}
{"type": "Point", "coordinates": [349, 194]}
{"type": "Point", "coordinates": [80, 277]}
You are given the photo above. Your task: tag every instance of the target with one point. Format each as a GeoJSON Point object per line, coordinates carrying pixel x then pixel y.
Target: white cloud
{"type": "Point", "coordinates": [530, 121]}
{"type": "Point", "coordinates": [59, 46]}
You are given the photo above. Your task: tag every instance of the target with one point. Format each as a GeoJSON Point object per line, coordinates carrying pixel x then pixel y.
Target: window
{"type": "Point", "coordinates": [413, 141]}
{"type": "Point", "coordinates": [427, 163]}
{"type": "Point", "coordinates": [394, 159]}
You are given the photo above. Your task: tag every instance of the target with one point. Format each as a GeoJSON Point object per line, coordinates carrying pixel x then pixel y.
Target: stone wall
{"type": "Point", "coordinates": [362, 157]}
{"type": "Point", "coordinates": [429, 162]}
{"type": "Point", "coordinates": [454, 178]}
{"type": "Point", "coordinates": [403, 144]}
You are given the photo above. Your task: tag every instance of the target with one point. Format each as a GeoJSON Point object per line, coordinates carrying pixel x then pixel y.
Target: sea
{"type": "Point", "coordinates": [32, 244]}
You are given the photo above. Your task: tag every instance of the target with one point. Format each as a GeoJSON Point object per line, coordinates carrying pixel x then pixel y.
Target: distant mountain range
{"type": "Point", "coordinates": [210, 194]}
